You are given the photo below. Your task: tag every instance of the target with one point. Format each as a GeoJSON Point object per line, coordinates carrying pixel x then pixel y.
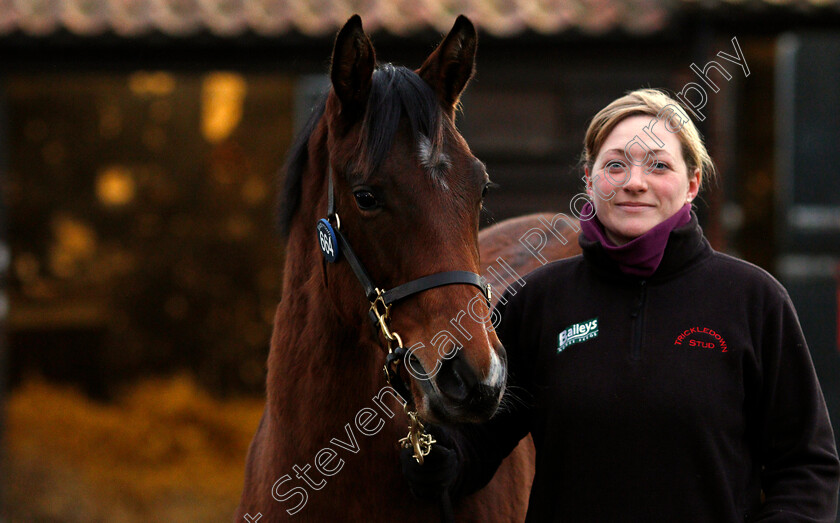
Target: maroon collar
{"type": "Point", "coordinates": [642, 255]}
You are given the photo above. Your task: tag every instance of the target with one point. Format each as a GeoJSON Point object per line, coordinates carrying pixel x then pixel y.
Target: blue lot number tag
{"type": "Point", "coordinates": [327, 240]}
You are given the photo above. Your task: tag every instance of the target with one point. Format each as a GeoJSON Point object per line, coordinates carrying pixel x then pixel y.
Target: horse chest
{"type": "Point", "coordinates": [322, 463]}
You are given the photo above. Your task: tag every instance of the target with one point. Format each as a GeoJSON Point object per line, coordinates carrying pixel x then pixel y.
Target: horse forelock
{"type": "Point", "coordinates": [396, 92]}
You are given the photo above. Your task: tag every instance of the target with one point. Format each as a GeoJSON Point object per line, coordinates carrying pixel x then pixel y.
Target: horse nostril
{"type": "Point", "coordinates": [456, 379]}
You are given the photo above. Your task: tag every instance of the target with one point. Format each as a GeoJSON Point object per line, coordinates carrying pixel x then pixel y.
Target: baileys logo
{"type": "Point", "coordinates": [577, 333]}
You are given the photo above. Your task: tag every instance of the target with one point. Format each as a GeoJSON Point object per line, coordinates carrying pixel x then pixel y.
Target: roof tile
{"type": "Point", "coordinates": [316, 18]}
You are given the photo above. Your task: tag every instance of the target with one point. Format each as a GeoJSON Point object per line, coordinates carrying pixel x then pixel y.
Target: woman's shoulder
{"type": "Point", "coordinates": [741, 274]}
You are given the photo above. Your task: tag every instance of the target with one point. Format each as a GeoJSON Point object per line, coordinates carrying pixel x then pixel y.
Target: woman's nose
{"type": "Point", "coordinates": [638, 179]}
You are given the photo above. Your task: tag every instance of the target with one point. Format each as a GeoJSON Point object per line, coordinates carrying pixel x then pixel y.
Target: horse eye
{"type": "Point", "coordinates": [486, 188]}
{"type": "Point", "coordinates": [365, 200]}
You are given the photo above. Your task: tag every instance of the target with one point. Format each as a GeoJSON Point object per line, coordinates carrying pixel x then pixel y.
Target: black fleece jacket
{"type": "Point", "coordinates": [678, 398]}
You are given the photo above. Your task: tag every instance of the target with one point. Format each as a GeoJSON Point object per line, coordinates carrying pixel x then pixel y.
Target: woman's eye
{"type": "Point", "coordinates": [660, 166]}
{"type": "Point", "coordinates": [614, 166]}
{"type": "Point", "coordinates": [365, 200]}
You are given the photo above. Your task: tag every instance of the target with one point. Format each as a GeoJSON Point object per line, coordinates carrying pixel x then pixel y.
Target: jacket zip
{"type": "Point", "coordinates": [639, 319]}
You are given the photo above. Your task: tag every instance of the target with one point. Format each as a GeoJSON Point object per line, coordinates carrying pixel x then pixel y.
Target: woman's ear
{"type": "Point", "coordinates": [693, 185]}
{"type": "Point", "coordinates": [588, 180]}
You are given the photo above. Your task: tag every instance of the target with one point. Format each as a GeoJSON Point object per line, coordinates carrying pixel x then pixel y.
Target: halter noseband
{"type": "Point", "coordinates": [333, 244]}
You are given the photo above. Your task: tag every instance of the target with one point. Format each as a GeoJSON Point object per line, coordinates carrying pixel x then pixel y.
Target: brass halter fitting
{"type": "Point", "coordinates": [417, 438]}
{"type": "Point", "coordinates": [382, 311]}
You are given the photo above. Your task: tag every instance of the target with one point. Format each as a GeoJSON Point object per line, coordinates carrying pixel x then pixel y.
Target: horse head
{"type": "Point", "coordinates": [408, 193]}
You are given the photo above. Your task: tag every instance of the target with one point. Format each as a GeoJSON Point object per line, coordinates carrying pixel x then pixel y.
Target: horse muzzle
{"type": "Point", "coordinates": [456, 395]}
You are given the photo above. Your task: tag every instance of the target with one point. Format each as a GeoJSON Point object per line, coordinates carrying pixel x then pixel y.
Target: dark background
{"type": "Point", "coordinates": [139, 171]}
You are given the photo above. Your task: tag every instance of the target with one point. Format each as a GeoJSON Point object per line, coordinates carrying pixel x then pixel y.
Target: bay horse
{"type": "Point", "coordinates": [380, 162]}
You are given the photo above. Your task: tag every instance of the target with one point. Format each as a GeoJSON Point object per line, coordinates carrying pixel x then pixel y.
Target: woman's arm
{"type": "Point", "coordinates": [801, 474]}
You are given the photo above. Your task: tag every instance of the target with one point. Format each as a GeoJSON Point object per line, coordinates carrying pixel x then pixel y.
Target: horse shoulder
{"type": "Point", "coordinates": [516, 244]}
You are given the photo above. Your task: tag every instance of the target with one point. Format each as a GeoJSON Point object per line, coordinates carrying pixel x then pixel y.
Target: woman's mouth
{"type": "Point", "coordinates": [634, 206]}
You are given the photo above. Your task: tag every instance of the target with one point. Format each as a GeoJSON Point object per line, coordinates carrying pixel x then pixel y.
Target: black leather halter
{"type": "Point", "coordinates": [381, 300]}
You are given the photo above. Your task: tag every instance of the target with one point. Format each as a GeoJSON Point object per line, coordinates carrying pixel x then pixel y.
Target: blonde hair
{"type": "Point", "coordinates": [651, 102]}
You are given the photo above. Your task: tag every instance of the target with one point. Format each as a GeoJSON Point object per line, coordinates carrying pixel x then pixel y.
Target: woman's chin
{"type": "Point", "coordinates": [630, 232]}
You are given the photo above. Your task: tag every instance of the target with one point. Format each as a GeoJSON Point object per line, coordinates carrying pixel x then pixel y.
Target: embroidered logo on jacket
{"type": "Point", "coordinates": [577, 333]}
{"type": "Point", "coordinates": [703, 338]}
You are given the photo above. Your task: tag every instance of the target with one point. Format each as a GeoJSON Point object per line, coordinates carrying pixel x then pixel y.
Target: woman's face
{"type": "Point", "coordinates": [653, 191]}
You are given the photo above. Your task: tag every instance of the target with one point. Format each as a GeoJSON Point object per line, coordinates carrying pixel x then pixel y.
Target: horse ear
{"type": "Point", "coordinates": [452, 64]}
{"type": "Point", "coordinates": [353, 61]}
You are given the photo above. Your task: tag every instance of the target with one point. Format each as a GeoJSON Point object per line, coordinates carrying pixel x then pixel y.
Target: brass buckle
{"type": "Point", "coordinates": [383, 316]}
{"type": "Point", "coordinates": [374, 306]}
{"type": "Point", "coordinates": [337, 221]}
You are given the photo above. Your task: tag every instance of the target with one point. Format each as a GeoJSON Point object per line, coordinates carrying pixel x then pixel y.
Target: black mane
{"type": "Point", "coordinates": [395, 92]}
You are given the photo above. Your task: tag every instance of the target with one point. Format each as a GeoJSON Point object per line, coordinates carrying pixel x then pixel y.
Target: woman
{"type": "Point", "coordinates": [661, 380]}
